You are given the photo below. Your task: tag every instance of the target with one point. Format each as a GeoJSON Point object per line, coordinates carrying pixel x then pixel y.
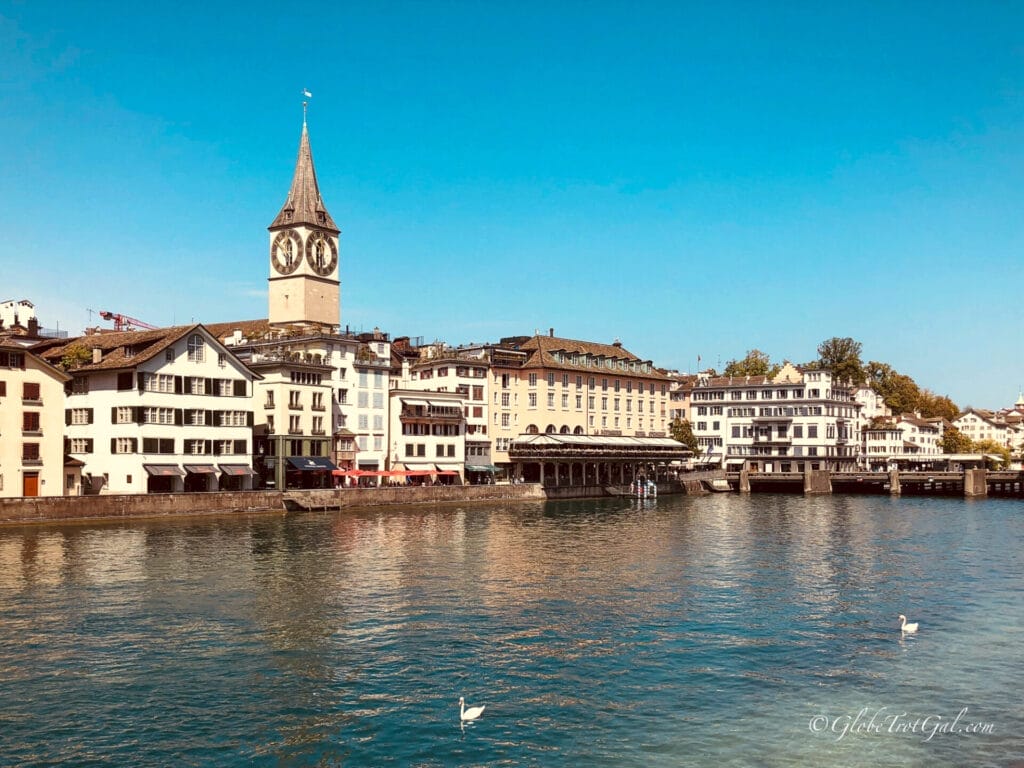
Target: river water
{"type": "Point", "coordinates": [724, 630]}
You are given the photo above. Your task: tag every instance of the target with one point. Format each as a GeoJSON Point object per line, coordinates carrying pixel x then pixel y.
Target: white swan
{"type": "Point", "coordinates": [472, 713]}
{"type": "Point", "coordinates": [904, 627]}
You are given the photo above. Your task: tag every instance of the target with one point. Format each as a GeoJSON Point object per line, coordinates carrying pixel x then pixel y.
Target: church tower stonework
{"type": "Point", "coordinates": [304, 284]}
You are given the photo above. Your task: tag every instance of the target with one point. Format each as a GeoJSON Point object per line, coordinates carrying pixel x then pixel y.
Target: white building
{"type": "Point", "coordinates": [164, 410]}
{"type": "Point", "coordinates": [798, 420]}
{"type": "Point", "coordinates": [428, 430]}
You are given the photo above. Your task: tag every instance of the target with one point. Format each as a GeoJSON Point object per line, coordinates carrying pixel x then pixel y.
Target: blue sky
{"type": "Point", "coordinates": [692, 178]}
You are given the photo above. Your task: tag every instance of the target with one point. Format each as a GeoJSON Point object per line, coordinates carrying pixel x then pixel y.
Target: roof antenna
{"type": "Point", "coordinates": [305, 104]}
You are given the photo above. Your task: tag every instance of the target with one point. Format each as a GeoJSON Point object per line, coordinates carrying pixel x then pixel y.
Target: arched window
{"type": "Point", "coordinates": [532, 430]}
{"type": "Point", "coordinates": [578, 431]}
{"type": "Point", "coordinates": [195, 348]}
{"type": "Point", "coordinates": [550, 430]}
{"type": "Point", "coordinates": [564, 430]}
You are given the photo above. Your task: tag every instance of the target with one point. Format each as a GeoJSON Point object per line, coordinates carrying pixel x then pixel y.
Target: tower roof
{"type": "Point", "coordinates": [304, 204]}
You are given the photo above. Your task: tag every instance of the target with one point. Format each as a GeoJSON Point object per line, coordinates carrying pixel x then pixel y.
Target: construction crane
{"type": "Point", "coordinates": [123, 322]}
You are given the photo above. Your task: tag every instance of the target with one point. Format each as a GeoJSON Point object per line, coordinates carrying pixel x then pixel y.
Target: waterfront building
{"type": "Point", "coordinates": [162, 410]}
{"type": "Point", "coordinates": [800, 419]}
{"type": "Point", "coordinates": [980, 424]}
{"type": "Point", "coordinates": [428, 429]}
{"type": "Point", "coordinates": [32, 461]}
{"type": "Point", "coordinates": [550, 385]}
{"type": "Point", "coordinates": [908, 441]}
{"type": "Point", "coordinates": [464, 371]}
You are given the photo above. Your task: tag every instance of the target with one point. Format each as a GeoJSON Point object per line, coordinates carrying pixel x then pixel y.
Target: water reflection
{"type": "Point", "coordinates": [612, 632]}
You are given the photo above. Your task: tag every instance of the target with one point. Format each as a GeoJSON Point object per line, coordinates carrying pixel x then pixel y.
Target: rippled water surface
{"type": "Point", "coordinates": [722, 631]}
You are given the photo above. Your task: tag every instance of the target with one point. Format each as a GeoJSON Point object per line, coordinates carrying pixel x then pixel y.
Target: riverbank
{"type": "Point", "coordinates": [46, 509]}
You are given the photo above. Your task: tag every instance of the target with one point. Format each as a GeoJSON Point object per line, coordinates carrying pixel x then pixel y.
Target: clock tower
{"type": "Point", "coordinates": [304, 284]}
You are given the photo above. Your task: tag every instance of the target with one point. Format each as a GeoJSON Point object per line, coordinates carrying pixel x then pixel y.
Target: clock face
{"type": "Point", "coordinates": [286, 251]}
{"type": "Point", "coordinates": [321, 253]}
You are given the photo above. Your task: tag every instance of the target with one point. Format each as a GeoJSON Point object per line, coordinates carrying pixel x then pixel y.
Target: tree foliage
{"type": "Point", "coordinates": [683, 432]}
{"type": "Point", "coordinates": [75, 355]}
{"type": "Point", "coordinates": [955, 441]}
{"type": "Point", "coordinates": [841, 356]}
{"type": "Point", "coordinates": [990, 446]}
{"type": "Point", "coordinates": [903, 395]}
{"type": "Point", "coordinates": [933, 406]}
{"type": "Point", "coordinates": [756, 363]}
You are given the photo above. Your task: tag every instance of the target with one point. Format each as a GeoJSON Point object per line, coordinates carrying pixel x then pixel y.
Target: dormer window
{"type": "Point", "coordinates": [195, 348]}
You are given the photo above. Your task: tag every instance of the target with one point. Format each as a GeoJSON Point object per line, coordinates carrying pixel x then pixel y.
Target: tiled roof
{"type": "Point", "coordinates": [304, 204]}
{"type": "Point", "coordinates": [540, 350]}
{"type": "Point", "coordinates": [124, 349]}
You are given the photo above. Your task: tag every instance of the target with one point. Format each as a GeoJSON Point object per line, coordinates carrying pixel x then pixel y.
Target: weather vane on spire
{"type": "Point", "coordinates": [305, 103]}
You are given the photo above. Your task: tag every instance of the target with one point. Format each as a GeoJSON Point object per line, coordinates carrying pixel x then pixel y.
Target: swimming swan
{"type": "Point", "coordinates": [469, 714]}
{"type": "Point", "coordinates": [908, 628]}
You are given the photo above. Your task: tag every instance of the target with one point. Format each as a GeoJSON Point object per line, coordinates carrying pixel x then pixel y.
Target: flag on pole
{"type": "Point", "coordinates": [307, 94]}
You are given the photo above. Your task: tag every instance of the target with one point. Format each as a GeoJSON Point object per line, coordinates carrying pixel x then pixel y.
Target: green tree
{"type": "Point", "coordinates": [954, 441]}
{"type": "Point", "coordinates": [991, 447]}
{"type": "Point", "coordinates": [683, 433]}
{"type": "Point", "coordinates": [75, 355]}
{"type": "Point", "coordinates": [899, 392]}
{"type": "Point", "coordinates": [841, 356]}
{"type": "Point", "coordinates": [756, 363]}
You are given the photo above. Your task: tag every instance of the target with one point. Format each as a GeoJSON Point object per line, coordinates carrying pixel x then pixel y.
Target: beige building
{"type": "Point", "coordinates": [551, 385]}
{"type": "Point", "coordinates": [32, 461]}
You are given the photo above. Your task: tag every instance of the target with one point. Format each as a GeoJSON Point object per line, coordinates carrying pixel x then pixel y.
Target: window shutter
{"type": "Point", "coordinates": [216, 388]}
{"type": "Point", "coordinates": [208, 447]}
{"type": "Point", "coordinates": [240, 447]}
{"type": "Point", "coordinates": [113, 445]}
{"type": "Point", "coordinates": [240, 388]}
{"type": "Point", "coordinates": [179, 417]}
{"type": "Point", "coordinates": [124, 381]}
{"type": "Point", "coordinates": [248, 419]}
{"type": "Point", "coordinates": [135, 445]}
{"type": "Point", "coordinates": [67, 387]}
{"type": "Point", "coordinates": [139, 414]}
{"type": "Point", "coordinates": [88, 415]}
{"type": "Point", "coordinates": [178, 385]}
{"type": "Point", "coordinates": [209, 387]}
{"type": "Point", "coordinates": [216, 448]}
{"type": "Point", "coordinates": [141, 381]}
{"type": "Point", "coordinates": [113, 414]}
{"type": "Point", "coordinates": [67, 416]}
{"type": "Point", "coordinates": [88, 445]}
{"type": "Point", "coordinates": [208, 418]}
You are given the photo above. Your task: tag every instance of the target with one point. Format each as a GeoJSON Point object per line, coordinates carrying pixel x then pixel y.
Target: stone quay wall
{"type": "Point", "coordinates": [41, 509]}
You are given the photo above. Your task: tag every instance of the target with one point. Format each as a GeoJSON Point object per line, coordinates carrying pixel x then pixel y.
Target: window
{"type": "Point", "coordinates": [533, 379]}
{"type": "Point", "coordinates": [505, 420]}
{"type": "Point", "coordinates": [158, 415]}
{"type": "Point", "coordinates": [196, 385]}
{"type": "Point", "coordinates": [579, 402]}
{"type": "Point", "coordinates": [157, 382]}
{"type": "Point", "coordinates": [378, 399]}
{"type": "Point", "coordinates": [225, 387]}
{"type": "Point", "coordinates": [532, 400]}
{"type": "Point", "coordinates": [123, 445]}
{"type": "Point", "coordinates": [294, 425]}
{"type": "Point", "coordinates": [123, 415]}
{"type": "Point", "coordinates": [812, 432]}
{"type": "Point", "coordinates": [30, 452]}
{"type": "Point", "coordinates": [30, 391]}
{"type": "Point", "coordinates": [196, 417]}
{"type": "Point", "coordinates": [81, 445]}
{"type": "Point", "coordinates": [30, 422]}
{"type": "Point", "coordinates": [551, 400]}
{"type": "Point", "coordinates": [195, 348]}
{"type": "Point", "coordinates": [81, 415]}
{"type": "Point", "coordinates": [195, 447]}
{"type": "Point", "coordinates": [551, 379]}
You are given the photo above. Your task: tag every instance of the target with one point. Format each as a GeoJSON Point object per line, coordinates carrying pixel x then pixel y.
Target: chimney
{"type": "Point", "coordinates": [33, 327]}
{"type": "Point", "coordinates": [551, 332]}
{"type": "Point", "coordinates": [97, 355]}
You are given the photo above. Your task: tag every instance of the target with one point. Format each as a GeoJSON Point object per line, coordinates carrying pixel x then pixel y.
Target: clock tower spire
{"type": "Point", "coordinates": [304, 281]}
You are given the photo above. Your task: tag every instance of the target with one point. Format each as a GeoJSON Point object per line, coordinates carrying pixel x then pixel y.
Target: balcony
{"type": "Point", "coordinates": [346, 455]}
{"type": "Point", "coordinates": [316, 407]}
{"type": "Point", "coordinates": [32, 433]}
{"type": "Point", "coordinates": [269, 405]}
{"type": "Point", "coordinates": [772, 440]}
{"type": "Point", "coordinates": [318, 432]}
{"type": "Point", "coordinates": [33, 401]}
{"type": "Point", "coordinates": [294, 431]}
{"type": "Point", "coordinates": [295, 406]}
{"type": "Point", "coordinates": [34, 461]}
